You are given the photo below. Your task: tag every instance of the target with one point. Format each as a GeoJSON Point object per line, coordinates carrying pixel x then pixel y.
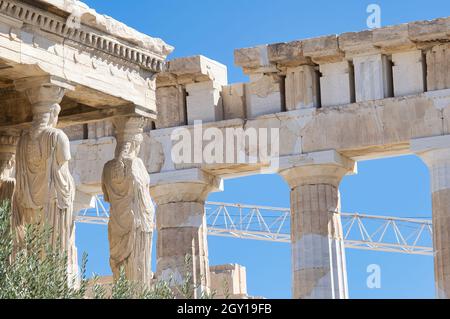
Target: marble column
{"type": "Point", "coordinates": [318, 254]}
{"type": "Point", "coordinates": [45, 188]}
{"type": "Point", "coordinates": [435, 152]}
{"type": "Point", "coordinates": [125, 184]}
{"type": "Point", "coordinates": [182, 248]}
{"type": "Point", "coordinates": [8, 144]}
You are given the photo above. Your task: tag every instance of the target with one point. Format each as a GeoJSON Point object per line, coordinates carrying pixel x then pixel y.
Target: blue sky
{"type": "Point", "coordinates": [394, 186]}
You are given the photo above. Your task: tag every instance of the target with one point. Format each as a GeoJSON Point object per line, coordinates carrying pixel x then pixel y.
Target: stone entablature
{"type": "Point", "coordinates": [149, 53]}
{"type": "Point", "coordinates": [329, 71]}
{"type": "Point", "coordinates": [381, 123]}
{"type": "Point", "coordinates": [365, 130]}
{"type": "Point", "coordinates": [335, 48]}
{"type": "Point", "coordinates": [110, 66]}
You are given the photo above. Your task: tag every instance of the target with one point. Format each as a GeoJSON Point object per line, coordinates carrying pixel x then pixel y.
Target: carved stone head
{"type": "Point", "coordinates": [45, 115]}
{"type": "Point", "coordinates": [129, 135]}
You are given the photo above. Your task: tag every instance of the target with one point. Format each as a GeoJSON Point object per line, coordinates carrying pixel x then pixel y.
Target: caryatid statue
{"type": "Point", "coordinates": [45, 189]}
{"type": "Point", "coordinates": [8, 145]}
{"type": "Point", "coordinates": [125, 184]}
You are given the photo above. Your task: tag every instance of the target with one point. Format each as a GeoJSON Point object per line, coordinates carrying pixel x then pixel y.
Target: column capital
{"type": "Point", "coordinates": [190, 185]}
{"type": "Point", "coordinates": [43, 90]}
{"type": "Point", "coordinates": [326, 167]}
{"type": "Point", "coordinates": [432, 150]}
{"type": "Point", "coordinates": [8, 142]}
{"type": "Point", "coordinates": [128, 129]}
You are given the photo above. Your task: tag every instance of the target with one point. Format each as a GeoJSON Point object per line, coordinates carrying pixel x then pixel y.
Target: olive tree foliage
{"type": "Point", "coordinates": [161, 289]}
{"type": "Point", "coordinates": [36, 270]}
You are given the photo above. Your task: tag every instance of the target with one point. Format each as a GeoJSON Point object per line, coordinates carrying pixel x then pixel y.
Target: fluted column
{"type": "Point", "coordinates": [435, 152]}
{"type": "Point", "coordinates": [318, 254]}
{"type": "Point", "coordinates": [182, 248]}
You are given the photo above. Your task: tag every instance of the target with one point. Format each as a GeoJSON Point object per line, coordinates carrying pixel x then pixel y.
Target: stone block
{"type": "Point", "coordinates": [100, 129]}
{"type": "Point", "coordinates": [75, 132]}
{"type": "Point", "coordinates": [336, 83]}
{"type": "Point", "coordinates": [356, 42]}
{"type": "Point", "coordinates": [433, 30]}
{"type": "Point", "coordinates": [438, 67]}
{"type": "Point", "coordinates": [88, 160]}
{"type": "Point", "coordinates": [198, 69]}
{"type": "Point", "coordinates": [233, 99]}
{"type": "Point", "coordinates": [323, 49]}
{"type": "Point", "coordinates": [408, 73]}
{"type": "Point", "coordinates": [373, 77]}
{"type": "Point", "coordinates": [265, 95]}
{"type": "Point", "coordinates": [171, 105]}
{"type": "Point", "coordinates": [392, 37]}
{"type": "Point", "coordinates": [229, 281]}
{"type": "Point", "coordinates": [254, 57]}
{"type": "Point", "coordinates": [286, 53]}
{"type": "Point", "coordinates": [302, 88]}
{"type": "Point", "coordinates": [203, 79]}
{"type": "Point", "coordinates": [204, 102]}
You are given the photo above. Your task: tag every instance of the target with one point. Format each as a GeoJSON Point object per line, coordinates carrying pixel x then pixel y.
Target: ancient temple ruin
{"type": "Point", "coordinates": [335, 100]}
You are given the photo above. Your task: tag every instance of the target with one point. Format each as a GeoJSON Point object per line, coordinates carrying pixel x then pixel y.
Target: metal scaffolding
{"type": "Point", "coordinates": [361, 231]}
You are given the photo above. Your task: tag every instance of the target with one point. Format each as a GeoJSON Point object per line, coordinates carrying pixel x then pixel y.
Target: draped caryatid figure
{"type": "Point", "coordinates": [7, 164]}
{"type": "Point", "coordinates": [44, 186]}
{"type": "Point", "coordinates": [125, 185]}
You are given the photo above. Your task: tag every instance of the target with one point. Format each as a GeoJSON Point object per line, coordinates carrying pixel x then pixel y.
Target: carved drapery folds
{"type": "Point", "coordinates": [45, 189]}
{"type": "Point", "coordinates": [125, 184]}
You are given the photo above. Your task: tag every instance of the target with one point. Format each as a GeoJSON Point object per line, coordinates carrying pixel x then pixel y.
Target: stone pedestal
{"type": "Point", "coordinates": [182, 249]}
{"type": "Point", "coordinates": [318, 254]}
{"type": "Point", "coordinates": [435, 152]}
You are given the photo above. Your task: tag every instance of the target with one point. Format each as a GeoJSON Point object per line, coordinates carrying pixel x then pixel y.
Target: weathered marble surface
{"type": "Point", "coordinates": [435, 152]}
{"type": "Point", "coordinates": [125, 185]}
{"type": "Point", "coordinates": [45, 189]}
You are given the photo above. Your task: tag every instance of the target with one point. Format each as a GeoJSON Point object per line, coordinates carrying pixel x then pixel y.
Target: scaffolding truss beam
{"type": "Point", "coordinates": [361, 231]}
